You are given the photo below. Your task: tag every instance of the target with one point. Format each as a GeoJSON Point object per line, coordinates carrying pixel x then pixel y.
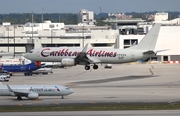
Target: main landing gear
{"type": "Point", "coordinates": [19, 97]}
{"type": "Point", "coordinates": [87, 67]}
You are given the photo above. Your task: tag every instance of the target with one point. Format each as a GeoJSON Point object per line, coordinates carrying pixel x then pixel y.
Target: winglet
{"type": "Point", "coordinates": [9, 88]}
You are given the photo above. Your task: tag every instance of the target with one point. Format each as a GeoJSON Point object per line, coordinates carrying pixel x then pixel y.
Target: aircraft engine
{"type": "Point", "coordinates": [68, 62]}
{"type": "Point", "coordinates": [32, 96]}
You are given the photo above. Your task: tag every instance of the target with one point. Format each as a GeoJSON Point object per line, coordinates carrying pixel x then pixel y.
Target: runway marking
{"type": "Point", "coordinates": [81, 73]}
{"type": "Point", "coordinates": [151, 71]}
{"type": "Point", "coordinates": [152, 66]}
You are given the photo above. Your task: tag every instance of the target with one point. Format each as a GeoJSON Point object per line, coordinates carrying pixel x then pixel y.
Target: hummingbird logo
{"type": "Point", "coordinates": [57, 88]}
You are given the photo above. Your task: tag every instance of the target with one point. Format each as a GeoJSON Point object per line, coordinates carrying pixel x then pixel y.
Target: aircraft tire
{"type": "Point", "coordinates": [95, 66]}
{"type": "Point", "coordinates": [87, 67]}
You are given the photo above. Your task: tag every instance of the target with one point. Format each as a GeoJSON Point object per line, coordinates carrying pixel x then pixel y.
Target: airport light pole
{"type": "Point", "coordinates": [51, 26]}
{"type": "Point", "coordinates": [83, 37]}
{"type": "Point", "coordinates": [42, 18]}
{"type": "Point", "coordinates": [32, 29]}
{"type": "Point", "coordinates": [14, 39]}
{"type": "Point", "coordinates": [51, 37]}
{"type": "Point", "coordinates": [8, 37]}
{"type": "Point", "coordinates": [59, 28]}
{"type": "Point", "coordinates": [32, 36]}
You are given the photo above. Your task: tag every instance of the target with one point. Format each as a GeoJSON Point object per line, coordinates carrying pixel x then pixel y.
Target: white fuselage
{"type": "Point", "coordinates": [42, 90]}
{"type": "Point", "coordinates": [104, 55]}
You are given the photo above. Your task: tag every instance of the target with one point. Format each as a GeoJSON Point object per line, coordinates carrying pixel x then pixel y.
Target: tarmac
{"type": "Point", "coordinates": [124, 83]}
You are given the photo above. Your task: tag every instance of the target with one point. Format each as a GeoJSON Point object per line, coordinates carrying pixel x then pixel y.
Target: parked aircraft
{"type": "Point", "coordinates": [71, 56]}
{"type": "Point", "coordinates": [26, 69]}
{"type": "Point", "coordinates": [34, 91]}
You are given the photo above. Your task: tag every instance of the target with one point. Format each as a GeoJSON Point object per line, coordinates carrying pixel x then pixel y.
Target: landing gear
{"type": "Point", "coordinates": [95, 66]}
{"type": "Point", "coordinates": [62, 97]}
{"type": "Point", "coordinates": [19, 98]}
{"type": "Point", "coordinates": [87, 67]}
{"type": "Point", "coordinates": [27, 74]}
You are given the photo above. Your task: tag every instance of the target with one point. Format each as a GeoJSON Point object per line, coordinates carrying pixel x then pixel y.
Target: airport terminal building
{"type": "Point", "coordinates": [22, 38]}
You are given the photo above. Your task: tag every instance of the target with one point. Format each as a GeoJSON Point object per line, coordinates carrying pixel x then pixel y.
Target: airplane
{"type": "Point", "coordinates": [34, 91]}
{"type": "Point", "coordinates": [26, 69]}
{"type": "Point", "coordinates": [72, 56]}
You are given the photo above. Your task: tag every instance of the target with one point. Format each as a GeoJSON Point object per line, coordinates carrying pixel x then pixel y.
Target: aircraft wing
{"type": "Point", "coordinates": [83, 58]}
{"type": "Point", "coordinates": [18, 92]}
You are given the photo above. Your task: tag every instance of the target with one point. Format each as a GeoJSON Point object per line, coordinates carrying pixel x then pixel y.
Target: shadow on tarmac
{"type": "Point", "coordinates": [123, 78]}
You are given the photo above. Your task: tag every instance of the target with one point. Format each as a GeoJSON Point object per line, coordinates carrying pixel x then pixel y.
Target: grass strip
{"type": "Point", "coordinates": [90, 107]}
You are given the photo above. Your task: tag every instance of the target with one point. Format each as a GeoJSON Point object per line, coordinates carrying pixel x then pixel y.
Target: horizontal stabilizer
{"type": "Point", "coordinates": [162, 50]}
{"type": "Point", "coordinates": [149, 52]}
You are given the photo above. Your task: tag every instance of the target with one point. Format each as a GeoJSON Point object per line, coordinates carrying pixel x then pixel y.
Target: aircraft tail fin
{"type": "Point", "coordinates": [9, 88]}
{"type": "Point", "coordinates": [149, 41]}
{"type": "Point", "coordinates": [37, 64]}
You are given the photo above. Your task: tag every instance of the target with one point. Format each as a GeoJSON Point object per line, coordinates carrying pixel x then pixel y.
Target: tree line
{"type": "Point", "coordinates": [67, 18]}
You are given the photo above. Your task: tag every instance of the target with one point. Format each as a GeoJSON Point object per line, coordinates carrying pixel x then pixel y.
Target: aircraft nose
{"type": "Point", "coordinates": [25, 55]}
{"type": "Point", "coordinates": [71, 91]}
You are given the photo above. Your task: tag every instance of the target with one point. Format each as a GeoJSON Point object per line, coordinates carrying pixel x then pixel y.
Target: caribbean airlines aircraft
{"type": "Point", "coordinates": [34, 91]}
{"type": "Point", "coordinates": [71, 56]}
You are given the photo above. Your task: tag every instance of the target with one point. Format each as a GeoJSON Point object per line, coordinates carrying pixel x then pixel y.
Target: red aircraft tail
{"type": "Point", "coordinates": [37, 64]}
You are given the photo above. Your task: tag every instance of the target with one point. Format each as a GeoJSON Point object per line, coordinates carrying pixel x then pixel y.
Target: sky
{"type": "Point", "coordinates": [74, 6]}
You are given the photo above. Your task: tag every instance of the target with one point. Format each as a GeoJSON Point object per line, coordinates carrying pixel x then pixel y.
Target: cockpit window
{"type": "Point", "coordinates": [31, 51]}
{"type": "Point", "coordinates": [67, 88]}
